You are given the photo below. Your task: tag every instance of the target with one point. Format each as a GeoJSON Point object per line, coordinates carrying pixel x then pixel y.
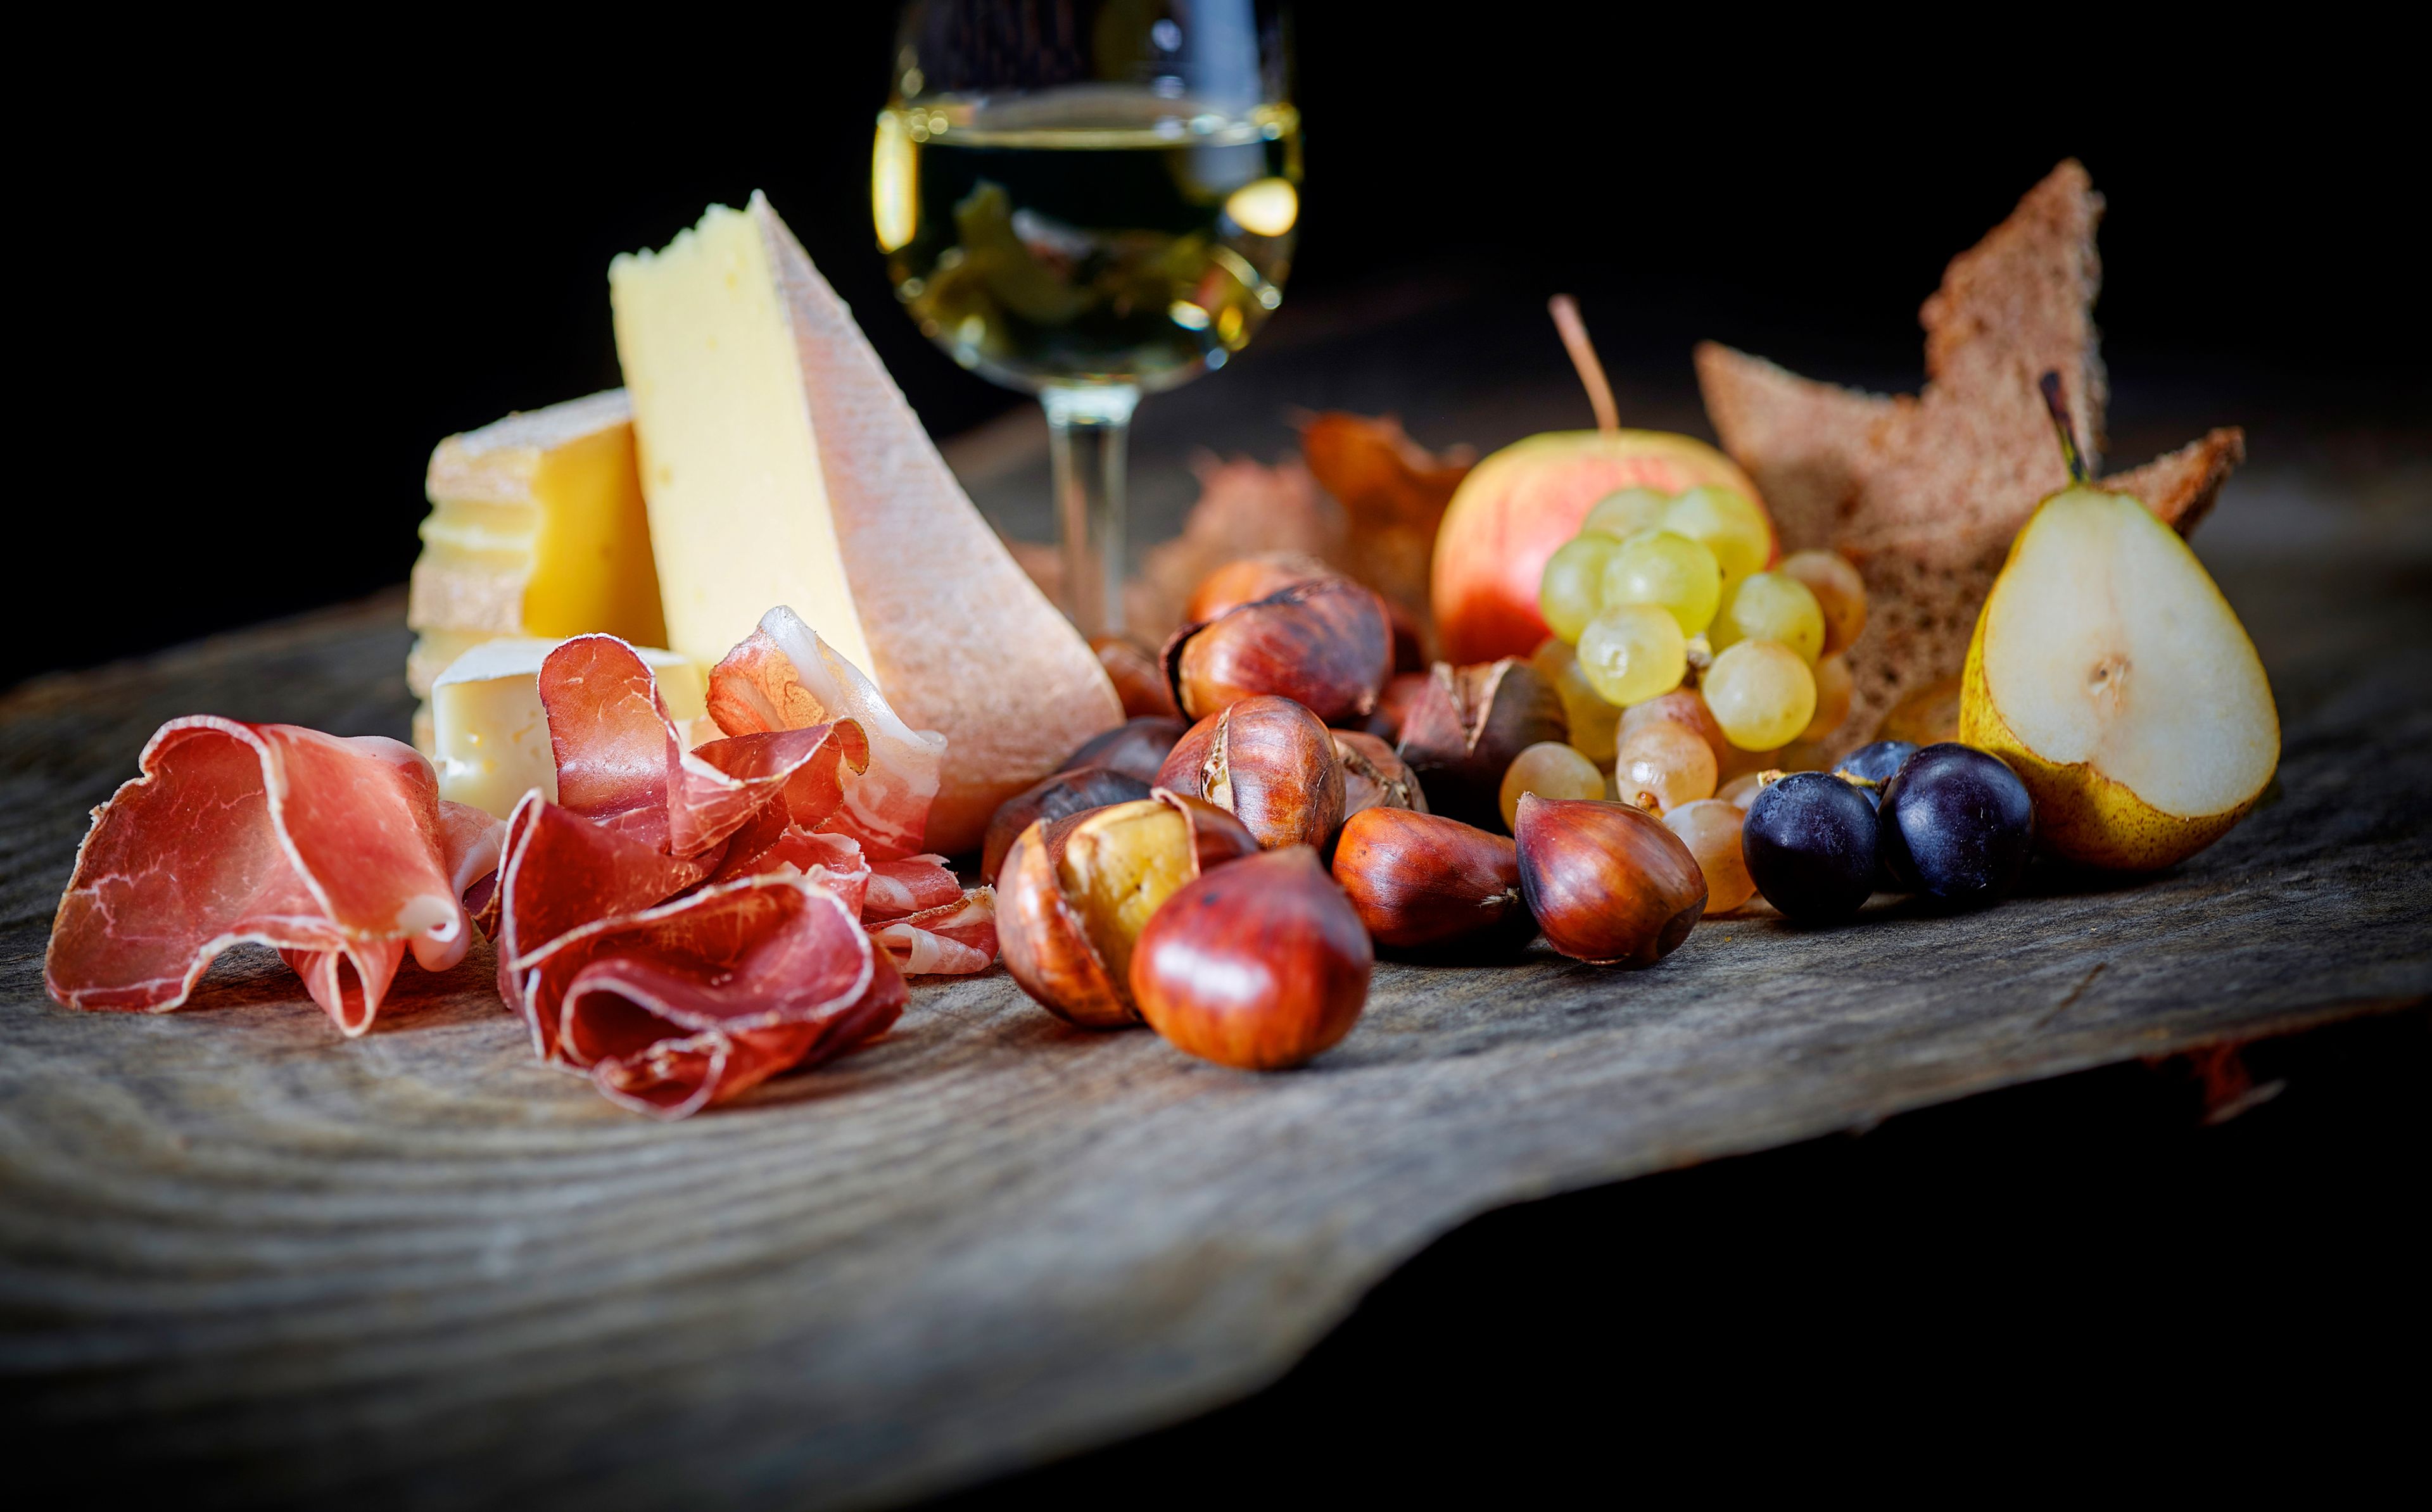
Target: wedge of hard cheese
{"type": "Point", "coordinates": [535, 528]}
{"type": "Point", "coordinates": [781, 465]}
{"type": "Point", "coordinates": [490, 735]}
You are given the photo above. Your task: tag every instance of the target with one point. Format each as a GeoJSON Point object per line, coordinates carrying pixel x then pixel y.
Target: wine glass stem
{"type": "Point", "coordinates": [1086, 432]}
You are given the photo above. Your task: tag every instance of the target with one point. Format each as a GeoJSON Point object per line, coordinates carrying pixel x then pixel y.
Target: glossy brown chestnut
{"type": "Point", "coordinates": [1247, 580]}
{"type": "Point", "coordinates": [1466, 726]}
{"type": "Point", "coordinates": [1421, 881]}
{"type": "Point", "coordinates": [1260, 965]}
{"type": "Point", "coordinates": [1051, 797]}
{"type": "Point", "coordinates": [1075, 893]}
{"type": "Point", "coordinates": [1610, 885]}
{"type": "Point", "coordinates": [1373, 776]}
{"type": "Point", "coordinates": [1139, 679]}
{"type": "Point", "coordinates": [1269, 764]}
{"type": "Point", "coordinates": [1393, 705]}
{"type": "Point", "coordinates": [1136, 748]}
{"type": "Point", "coordinates": [1324, 644]}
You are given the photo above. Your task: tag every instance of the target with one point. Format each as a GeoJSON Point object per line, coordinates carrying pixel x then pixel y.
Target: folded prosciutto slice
{"type": "Point", "coordinates": [339, 852]}
{"type": "Point", "coordinates": [784, 677]}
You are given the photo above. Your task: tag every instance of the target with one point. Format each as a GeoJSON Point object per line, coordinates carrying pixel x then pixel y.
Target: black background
{"type": "Point", "coordinates": [264, 272]}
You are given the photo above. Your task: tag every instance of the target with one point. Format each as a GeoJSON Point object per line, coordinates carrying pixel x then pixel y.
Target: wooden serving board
{"type": "Point", "coordinates": [419, 1267]}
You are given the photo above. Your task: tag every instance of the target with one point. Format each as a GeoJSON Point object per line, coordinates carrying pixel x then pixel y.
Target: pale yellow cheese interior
{"type": "Point", "coordinates": [738, 506]}
{"type": "Point", "coordinates": [537, 529]}
{"type": "Point", "coordinates": [490, 735]}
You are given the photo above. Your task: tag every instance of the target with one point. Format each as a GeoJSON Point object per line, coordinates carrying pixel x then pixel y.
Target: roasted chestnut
{"type": "Point", "coordinates": [1373, 776]}
{"type": "Point", "coordinates": [1393, 705]}
{"type": "Point", "coordinates": [1075, 893]}
{"type": "Point", "coordinates": [1269, 764]}
{"type": "Point", "coordinates": [1324, 644]}
{"type": "Point", "coordinates": [1053, 798]}
{"type": "Point", "coordinates": [1465, 727]}
{"type": "Point", "coordinates": [1260, 964]}
{"type": "Point", "coordinates": [1608, 883]}
{"type": "Point", "coordinates": [1136, 748]}
{"type": "Point", "coordinates": [1138, 681]}
{"type": "Point", "coordinates": [1247, 580]}
{"type": "Point", "coordinates": [1421, 881]}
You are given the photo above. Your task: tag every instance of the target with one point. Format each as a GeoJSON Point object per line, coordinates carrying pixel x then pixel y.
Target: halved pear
{"type": "Point", "coordinates": [2107, 669]}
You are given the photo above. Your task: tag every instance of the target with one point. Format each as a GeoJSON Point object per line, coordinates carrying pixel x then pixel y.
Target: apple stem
{"type": "Point", "coordinates": [2058, 405]}
{"type": "Point", "coordinates": [1583, 357]}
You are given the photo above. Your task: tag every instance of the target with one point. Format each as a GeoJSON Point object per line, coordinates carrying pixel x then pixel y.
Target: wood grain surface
{"type": "Point", "coordinates": [421, 1270]}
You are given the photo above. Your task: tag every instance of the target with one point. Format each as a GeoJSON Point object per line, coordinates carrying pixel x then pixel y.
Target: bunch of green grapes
{"type": "Point", "coordinates": [1654, 585]}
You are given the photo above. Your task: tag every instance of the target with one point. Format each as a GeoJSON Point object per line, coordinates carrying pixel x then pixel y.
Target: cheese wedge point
{"type": "Point", "coordinates": [490, 735]}
{"type": "Point", "coordinates": [781, 465]}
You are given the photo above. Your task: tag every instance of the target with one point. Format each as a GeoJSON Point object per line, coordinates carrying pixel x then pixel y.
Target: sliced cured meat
{"type": "Point", "coordinates": [910, 885]}
{"type": "Point", "coordinates": [622, 762]}
{"type": "Point", "coordinates": [784, 677]}
{"type": "Point", "coordinates": [771, 846]}
{"type": "Point", "coordinates": [337, 852]}
{"type": "Point", "coordinates": [679, 1006]}
{"type": "Point", "coordinates": [956, 940]}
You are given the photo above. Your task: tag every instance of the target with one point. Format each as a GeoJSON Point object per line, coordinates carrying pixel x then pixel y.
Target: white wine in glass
{"type": "Point", "coordinates": [1089, 202]}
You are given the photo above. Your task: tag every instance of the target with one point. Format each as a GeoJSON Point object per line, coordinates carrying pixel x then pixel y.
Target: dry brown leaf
{"type": "Point", "coordinates": [1392, 491]}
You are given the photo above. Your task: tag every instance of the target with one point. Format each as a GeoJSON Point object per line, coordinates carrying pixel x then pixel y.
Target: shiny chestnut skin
{"type": "Point", "coordinates": [1269, 764]}
{"type": "Point", "coordinates": [1609, 884]}
{"type": "Point", "coordinates": [1136, 748]}
{"type": "Point", "coordinates": [1324, 644]}
{"type": "Point", "coordinates": [1260, 965]}
{"type": "Point", "coordinates": [1044, 934]}
{"type": "Point", "coordinates": [1374, 776]}
{"type": "Point", "coordinates": [1139, 679]}
{"type": "Point", "coordinates": [1247, 580]}
{"type": "Point", "coordinates": [1467, 723]}
{"type": "Point", "coordinates": [1393, 705]}
{"type": "Point", "coordinates": [1421, 882]}
{"type": "Point", "coordinates": [1053, 798]}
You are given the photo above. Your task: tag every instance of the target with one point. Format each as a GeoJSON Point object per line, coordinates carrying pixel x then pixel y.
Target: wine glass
{"type": "Point", "coordinates": [1088, 201]}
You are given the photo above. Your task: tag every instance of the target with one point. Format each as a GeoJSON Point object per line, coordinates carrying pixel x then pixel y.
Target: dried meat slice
{"type": "Point", "coordinates": [676, 1007]}
{"type": "Point", "coordinates": [623, 763]}
{"type": "Point", "coordinates": [911, 885]}
{"type": "Point", "coordinates": [339, 852]}
{"type": "Point", "coordinates": [784, 677]}
{"type": "Point", "coordinates": [956, 940]}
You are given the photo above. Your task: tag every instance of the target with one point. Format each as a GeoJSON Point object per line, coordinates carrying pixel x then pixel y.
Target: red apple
{"type": "Point", "coordinates": [1515, 507]}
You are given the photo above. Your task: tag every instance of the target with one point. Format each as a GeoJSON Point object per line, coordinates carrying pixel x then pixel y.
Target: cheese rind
{"type": "Point", "coordinates": [781, 465]}
{"type": "Point", "coordinates": [490, 735]}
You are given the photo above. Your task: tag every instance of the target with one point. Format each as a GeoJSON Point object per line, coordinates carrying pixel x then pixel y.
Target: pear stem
{"type": "Point", "coordinates": [1583, 357]}
{"type": "Point", "coordinates": [2058, 405]}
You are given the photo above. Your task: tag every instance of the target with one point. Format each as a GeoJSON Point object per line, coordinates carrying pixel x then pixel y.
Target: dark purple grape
{"type": "Point", "coordinates": [1957, 825]}
{"type": "Point", "coordinates": [1876, 764]}
{"type": "Point", "coordinates": [1809, 841]}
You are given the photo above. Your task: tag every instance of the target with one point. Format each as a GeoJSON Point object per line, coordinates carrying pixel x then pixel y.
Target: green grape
{"type": "Point", "coordinates": [1730, 524]}
{"type": "Point", "coordinates": [1632, 652]}
{"type": "Point", "coordinates": [1568, 594]}
{"type": "Point", "coordinates": [1625, 512]}
{"type": "Point", "coordinates": [1762, 694]}
{"type": "Point", "coordinates": [1552, 770]}
{"type": "Point", "coordinates": [1595, 724]}
{"type": "Point", "coordinates": [1772, 606]}
{"type": "Point", "coordinates": [1669, 571]}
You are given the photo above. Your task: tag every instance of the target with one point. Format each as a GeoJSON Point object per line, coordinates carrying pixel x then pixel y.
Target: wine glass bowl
{"type": "Point", "coordinates": [1088, 201]}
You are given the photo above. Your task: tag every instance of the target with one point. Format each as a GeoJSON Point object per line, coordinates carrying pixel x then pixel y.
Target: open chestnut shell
{"type": "Point", "coordinates": [1393, 705]}
{"type": "Point", "coordinates": [1260, 964]}
{"type": "Point", "coordinates": [1325, 644]}
{"type": "Point", "coordinates": [1466, 725]}
{"type": "Point", "coordinates": [1609, 884]}
{"type": "Point", "coordinates": [1373, 776]}
{"type": "Point", "coordinates": [1075, 893]}
{"type": "Point", "coordinates": [1053, 798]}
{"type": "Point", "coordinates": [1269, 764]}
{"type": "Point", "coordinates": [1136, 748]}
{"type": "Point", "coordinates": [1425, 883]}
